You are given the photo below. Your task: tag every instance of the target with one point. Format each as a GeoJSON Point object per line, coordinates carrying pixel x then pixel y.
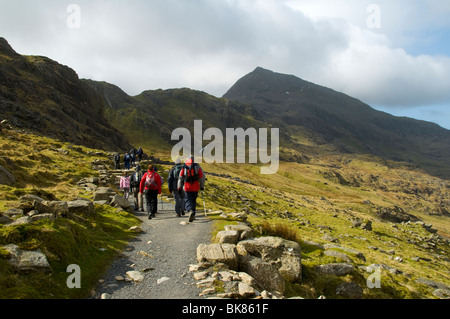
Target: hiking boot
{"type": "Point", "coordinates": [183, 212]}
{"type": "Point", "coordinates": [150, 216]}
{"type": "Point", "coordinates": [191, 216]}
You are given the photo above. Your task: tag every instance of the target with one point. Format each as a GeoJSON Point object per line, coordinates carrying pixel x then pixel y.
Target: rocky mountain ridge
{"type": "Point", "coordinates": [41, 95]}
{"type": "Point", "coordinates": [347, 125]}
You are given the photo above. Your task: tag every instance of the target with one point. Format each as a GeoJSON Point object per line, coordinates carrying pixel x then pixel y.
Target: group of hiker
{"type": "Point", "coordinates": [184, 182]}
{"type": "Point", "coordinates": [129, 158]}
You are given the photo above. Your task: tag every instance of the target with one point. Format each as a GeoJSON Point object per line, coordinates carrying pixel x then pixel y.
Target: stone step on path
{"type": "Point", "coordinates": [158, 259]}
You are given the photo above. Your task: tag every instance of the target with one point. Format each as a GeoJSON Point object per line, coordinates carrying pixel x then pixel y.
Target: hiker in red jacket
{"type": "Point", "coordinates": [191, 181]}
{"type": "Point", "coordinates": [151, 187]}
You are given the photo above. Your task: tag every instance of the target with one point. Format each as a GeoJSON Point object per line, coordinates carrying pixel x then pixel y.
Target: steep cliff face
{"type": "Point", "coordinates": [41, 95]}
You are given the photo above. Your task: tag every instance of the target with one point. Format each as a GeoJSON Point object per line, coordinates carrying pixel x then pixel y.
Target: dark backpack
{"type": "Point", "coordinates": [136, 179]}
{"type": "Point", "coordinates": [176, 172]}
{"type": "Point", "coordinates": [191, 173]}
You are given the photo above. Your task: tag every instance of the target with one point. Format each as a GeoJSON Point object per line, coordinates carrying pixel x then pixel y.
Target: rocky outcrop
{"type": "Point", "coordinates": [218, 253]}
{"type": "Point", "coordinates": [285, 255]}
{"type": "Point", "coordinates": [6, 177]}
{"type": "Point", "coordinates": [266, 263]}
{"type": "Point", "coordinates": [43, 96]}
{"type": "Point", "coordinates": [25, 261]}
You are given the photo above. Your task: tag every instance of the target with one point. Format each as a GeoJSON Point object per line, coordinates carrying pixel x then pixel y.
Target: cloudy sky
{"type": "Point", "coordinates": [394, 55]}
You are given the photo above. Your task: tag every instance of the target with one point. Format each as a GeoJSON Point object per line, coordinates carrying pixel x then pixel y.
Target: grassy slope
{"type": "Point", "coordinates": [301, 202]}
{"type": "Point", "coordinates": [42, 170]}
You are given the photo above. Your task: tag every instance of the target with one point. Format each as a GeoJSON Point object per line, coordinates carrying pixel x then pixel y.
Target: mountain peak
{"type": "Point", "coordinates": [5, 48]}
{"type": "Point", "coordinates": [263, 81]}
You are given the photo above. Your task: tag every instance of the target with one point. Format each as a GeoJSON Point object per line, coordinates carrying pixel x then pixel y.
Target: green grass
{"type": "Point", "coordinates": [300, 204]}
{"type": "Point", "coordinates": [303, 202]}
{"type": "Point", "coordinates": [42, 169]}
{"type": "Point", "coordinates": [92, 246]}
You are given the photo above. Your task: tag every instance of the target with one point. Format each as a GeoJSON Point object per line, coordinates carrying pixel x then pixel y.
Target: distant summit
{"type": "Point", "coordinates": [346, 124]}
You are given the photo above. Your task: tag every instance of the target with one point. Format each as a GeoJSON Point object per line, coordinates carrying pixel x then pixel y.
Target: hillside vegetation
{"type": "Point", "coordinates": [51, 169]}
{"type": "Point", "coordinates": [325, 202]}
{"type": "Point", "coordinates": [311, 203]}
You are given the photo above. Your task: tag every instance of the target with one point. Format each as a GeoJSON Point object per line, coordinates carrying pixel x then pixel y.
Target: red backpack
{"type": "Point", "coordinates": [150, 181]}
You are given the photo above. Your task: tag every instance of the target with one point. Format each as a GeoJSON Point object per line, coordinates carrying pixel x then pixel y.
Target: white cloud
{"type": "Point", "coordinates": [209, 44]}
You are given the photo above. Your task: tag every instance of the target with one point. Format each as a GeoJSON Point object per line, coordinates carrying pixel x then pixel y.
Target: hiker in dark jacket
{"type": "Point", "coordinates": [135, 185]}
{"type": "Point", "coordinates": [151, 187]}
{"type": "Point", "coordinates": [173, 188]}
{"type": "Point", "coordinates": [139, 153]}
{"type": "Point", "coordinates": [127, 160]}
{"type": "Point", "coordinates": [117, 161]}
{"type": "Point", "coordinates": [191, 180]}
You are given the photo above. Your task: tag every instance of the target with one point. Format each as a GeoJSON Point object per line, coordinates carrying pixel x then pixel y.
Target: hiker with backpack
{"type": "Point", "coordinates": [116, 161]}
{"type": "Point", "coordinates": [191, 180]}
{"type": "Point", "coordinates": [174, 174]}
{"type": "Point", "coordinates": [135, 185]}
{"type": "Point", "coordinates": [150, 186]}
{"type": "Point", "coordinates": [127, 160]}
{"type": "Point", "coordinates": [139, 153]}
{"type": "Point", "coordinates": [125, 184]}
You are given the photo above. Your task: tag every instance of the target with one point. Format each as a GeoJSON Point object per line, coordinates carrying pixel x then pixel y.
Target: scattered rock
{"type": "Point", "coordinates": [30, 198]}
{"type": "Point", "coordinates": [36, 217]}
{"type": "Point", "coordinates": [121, 202]}
{"type": "Point", "coordinates": [228, 237]}
{"type": "Point", "coordinates": [350, 290]}
{"type": "Point", "coordinates": [104, 194]}
{"type": "Point", "coordinates": [13, 212]}
{"type": "Point", "coordinates": [136, 276]}
{"type": "Point", "coordinates": [161, 280]}
{"type": "Point", "coordinates": [336, 254]}
{"type": "Point", "coordinates": [432, 284]}
{"type": "Point", "coordinates": [218, 253]}
{"type": "Point", "coordinates": [266, 274]}
{"type": "Point", "coordinates": [81, 207]}
{"type": "Point", "coordinates": [27, 261]}
{"type": "Point", "coordinates": [395, 215]}
{"type": "Point", "coordinates": [339, 269]}
{"type": "Point", "coordinates": [106, 296]}
{"type": "Point", "coordinates": [330, 238]}
{"type": "Point", "coordinates": [284, 253]}
{"type": "Point", "coordinates": [245, 232]}
{"type": "Point", "coordinates": [6, 177]}
{"type": "Point", "coordinates": [57, 208]}
{"type": "Point", "coordinates": [442, 293]}
{"type": "Point", "coordinates": [247, 291]}
{"type": "Point", "coordinates": [21, 221]}
{"type": "Point", "coordinates": [4, 220]}
{"type": "Point", "coordinates": [136, 229]}
{"type": "Point", "coordinates": [367, 225]}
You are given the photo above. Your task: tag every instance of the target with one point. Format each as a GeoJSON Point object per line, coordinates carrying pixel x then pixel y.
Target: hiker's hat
{"type": "Point", "coordinates": [190, 160]}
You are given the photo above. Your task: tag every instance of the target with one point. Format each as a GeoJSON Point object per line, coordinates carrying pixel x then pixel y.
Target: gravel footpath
{"type": "Point", "coordinates": [162, 253]}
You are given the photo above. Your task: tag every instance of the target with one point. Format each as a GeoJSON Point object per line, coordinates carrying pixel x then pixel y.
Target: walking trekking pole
{"type": "Point", "coordinates": [204, 206]}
